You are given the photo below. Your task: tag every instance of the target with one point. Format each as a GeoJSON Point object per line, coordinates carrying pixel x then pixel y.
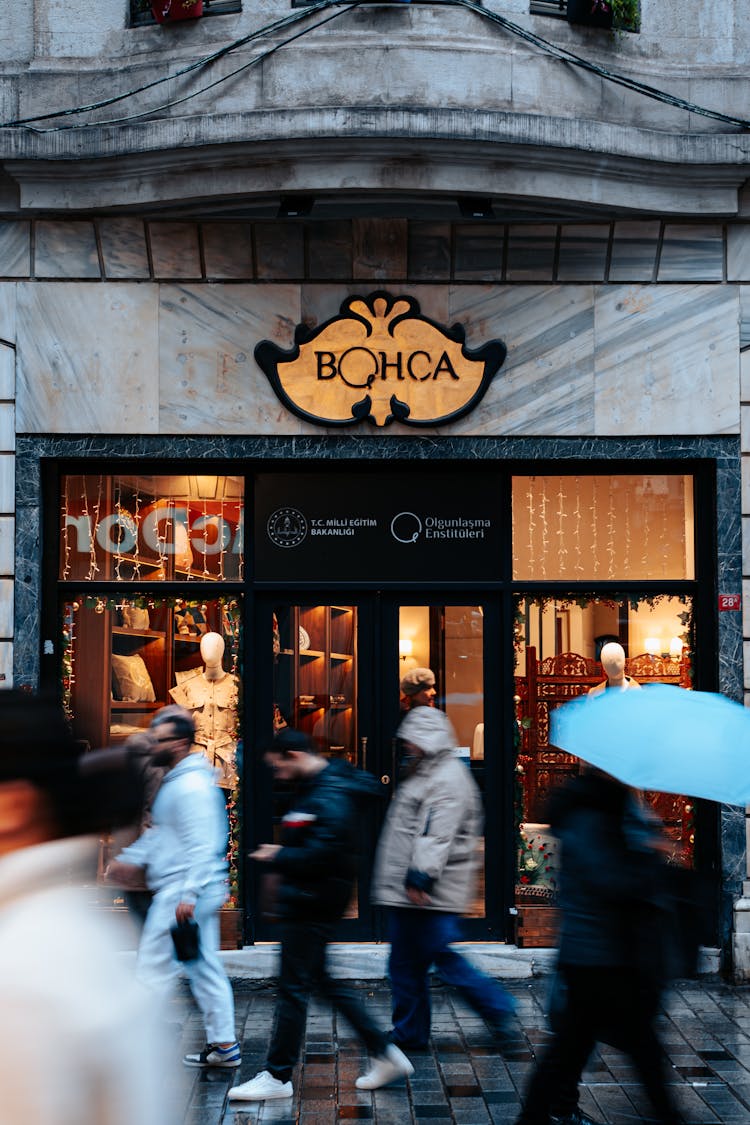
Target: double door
{"type": "Point", "coordinates": [331, 666]}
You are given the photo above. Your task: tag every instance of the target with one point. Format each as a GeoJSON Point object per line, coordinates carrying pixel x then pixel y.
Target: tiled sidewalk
{"type": "Point", "coordinates": [463, 1079]}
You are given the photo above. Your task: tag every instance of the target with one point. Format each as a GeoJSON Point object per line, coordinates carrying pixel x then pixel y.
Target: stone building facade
{"type": "Point", "coordinates": [173, 195]}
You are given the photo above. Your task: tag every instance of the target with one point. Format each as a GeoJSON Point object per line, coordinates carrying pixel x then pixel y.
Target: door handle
{"type": "Point", "coordinates": [363, 750]}
{"type": "Point", "coordinates": [385, 779]}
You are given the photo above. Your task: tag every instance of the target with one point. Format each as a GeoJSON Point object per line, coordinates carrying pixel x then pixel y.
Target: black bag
{"type": "Point", "coordinates": [186, 938]}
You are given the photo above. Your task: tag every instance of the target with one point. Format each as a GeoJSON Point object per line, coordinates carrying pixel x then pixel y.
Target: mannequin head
{"type": "Point", "coordinates": [613, 662]}
{"type": "Point", "coordinates": [212, 649]}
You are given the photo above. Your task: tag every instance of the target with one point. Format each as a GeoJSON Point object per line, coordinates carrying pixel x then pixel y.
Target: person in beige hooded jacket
{"type": "Point", "coordinates": [424, 873]}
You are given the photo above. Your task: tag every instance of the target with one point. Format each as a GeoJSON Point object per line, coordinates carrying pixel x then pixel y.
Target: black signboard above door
{"type": "Point", "coordinates": [377, 526]}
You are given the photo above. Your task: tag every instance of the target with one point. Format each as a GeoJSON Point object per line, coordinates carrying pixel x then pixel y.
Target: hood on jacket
{"type": "Point", "coordinates": [428, 729]}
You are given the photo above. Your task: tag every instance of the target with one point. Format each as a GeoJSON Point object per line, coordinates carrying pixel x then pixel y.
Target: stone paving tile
{"type": "Point", "coordinates": [462, 1079]}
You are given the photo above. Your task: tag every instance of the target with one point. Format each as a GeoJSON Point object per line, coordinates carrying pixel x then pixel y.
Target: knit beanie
{"type": "Point", "coordinates": [429, 729]}
{"type": "Point", "coordinates": [417, 680]}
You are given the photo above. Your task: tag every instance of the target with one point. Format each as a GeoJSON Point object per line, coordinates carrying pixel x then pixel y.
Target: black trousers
{"type": "Point", "coordinates": [303, 971]}
{"type": "Point", "coordinates": [603, 1004]}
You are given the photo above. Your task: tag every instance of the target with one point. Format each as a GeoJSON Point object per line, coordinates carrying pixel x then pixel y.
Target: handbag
{"type": "Point", "coordinates": [169, 11]}
{"type": "Point", "coordinates": [186, 939]}
{"type": "Point", "coordinates": [270, 884]}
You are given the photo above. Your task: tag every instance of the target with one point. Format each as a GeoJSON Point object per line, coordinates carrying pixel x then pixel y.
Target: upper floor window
{"type": "Point", "coordinates": [621, 14]}
{"type": "Point", "coordinates": [142, 12]}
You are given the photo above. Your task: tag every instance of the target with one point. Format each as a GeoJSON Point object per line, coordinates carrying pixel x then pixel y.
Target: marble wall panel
{"type": "Point", "coordinates": [583, 252]}
{"type": "Point", "coordinates": [7, 372]}
{"type": "Point", "coordinates": [15, 249]}
{"type": "Point", "coordinates": [8, 312]}
{"type": "Point", "coordinates": [429, 251]}
{"type": "Point", "coordinates": [531, 253]}
{"type": "Point", "coordinates": [7, 544]}
{"type": "Point", "coordinates": [175, 251]}
{"type": "Point", "coordinates": [329, 250]}
{"type": "Point", "coordinates": [321, 302]}
{"type": "Point", "coordinates": [744, 316]}
{"type": "Point", "coordinates": [6, 608]}
{"type": "Point", "coordinates": [746, 607]}
{"type": "Point", "coordinates": [634, 248]}
{"type": "Point", "coordinates": [546, 385]}
{"type": "Point", "coordinates": [6, 663]}
{"type": "Point", "coordinates": [479, 253]}
{"type": "Point", "coordinates": [228, 250]}
{"type": "Point", "coordinates": [279, 251]}
{"type": "Point", "coordinates": [692, 358]}
{"type": "Point", "coordinates": [124, 248]}
{"type": "Point", "coordinates": [692, 253]}
{"type": "Point", "coordinates": [745, 375]}
{"type": "Point", "coordinates": [745, 429]}
{"type": "Point", "coordinates": [745, 476]}
{"type": "Point", "coordinates": [210, 382]}
{"type": "Point", "coordinates": [7, 483]}
{"type": "Point", "coordinates": [87, 358]}
{"type": "Point", "coordinates": [379, 249]}
{"type": "Point", "coordinates": [65, 249]}
{"type": "Point", "coordinates": [738, 252]}
{"type": "Point", "coordinates": [7, 427]}
{"type": "Point", "coordinates": [746, 550]}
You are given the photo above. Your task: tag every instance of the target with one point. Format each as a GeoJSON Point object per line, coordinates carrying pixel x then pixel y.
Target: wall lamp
{"type": "Point", "coordinates": [295, 206]}
{"type": "Point", "coordinates": [475, 208]}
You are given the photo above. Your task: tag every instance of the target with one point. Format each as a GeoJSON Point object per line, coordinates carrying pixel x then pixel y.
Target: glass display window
{"type": "Point", "coordinates": [125, 658]}
{"type": "Point", "coordinates": [144, 528]}
{"type": "Point", "coordinates": [558, 644]}
{"type": "Point", "coordinates": [623, 527]}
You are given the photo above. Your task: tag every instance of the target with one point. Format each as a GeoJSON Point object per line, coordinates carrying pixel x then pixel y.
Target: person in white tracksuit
{"type": "Point", "coordinates": [184, 857]}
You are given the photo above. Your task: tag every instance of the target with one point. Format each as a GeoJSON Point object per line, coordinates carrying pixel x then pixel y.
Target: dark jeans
{"type": "Point", "coordinates": [602, 1004]}
{"type": "Point", "coordinates": [420, 939]}
{"type": "Point", "coordinates": [303, 970]}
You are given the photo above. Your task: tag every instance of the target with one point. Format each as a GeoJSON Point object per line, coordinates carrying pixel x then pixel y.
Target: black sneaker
{"type": "Point", "coordinates": [213, 1055]}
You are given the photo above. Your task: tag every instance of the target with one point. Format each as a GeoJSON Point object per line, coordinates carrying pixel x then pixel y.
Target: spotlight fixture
{"type": "Point", "coordinates": [478, 208]}
{"type": "Point", "coordinates": [295, 206]}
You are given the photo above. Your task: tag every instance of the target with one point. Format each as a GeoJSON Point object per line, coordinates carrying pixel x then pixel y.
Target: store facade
{"type": "Point", "coordinates": [329, 559]}
{"type": "Point", "coordinates": [392, 335]}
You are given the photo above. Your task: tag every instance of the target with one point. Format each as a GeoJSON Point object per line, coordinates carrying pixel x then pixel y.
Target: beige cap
{"type": "Point", "coordinates": [418, 679]}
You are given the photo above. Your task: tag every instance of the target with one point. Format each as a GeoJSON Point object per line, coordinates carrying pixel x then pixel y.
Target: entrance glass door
{"type": "Point", "coordinates": [334, 669]}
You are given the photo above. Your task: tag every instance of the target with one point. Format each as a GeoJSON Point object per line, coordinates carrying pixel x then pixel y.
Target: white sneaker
{"type": "Point", "coordinates": [258, 1089]}
{"type": "Point", "coordinates": [390, 1066]}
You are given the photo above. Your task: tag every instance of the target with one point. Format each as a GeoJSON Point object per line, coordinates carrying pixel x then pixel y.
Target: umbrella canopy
{"type": "Point", "coordinates": [662, 738]}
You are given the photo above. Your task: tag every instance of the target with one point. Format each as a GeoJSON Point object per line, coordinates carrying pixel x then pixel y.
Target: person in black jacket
{"type": "Point", "coordinates": [316, 862]}
{"type": "Point", "coordinates": [613, 957]}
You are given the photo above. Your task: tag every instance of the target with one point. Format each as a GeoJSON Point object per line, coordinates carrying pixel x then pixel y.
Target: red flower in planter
{"type": "Point", "coordinates": [169, 11]}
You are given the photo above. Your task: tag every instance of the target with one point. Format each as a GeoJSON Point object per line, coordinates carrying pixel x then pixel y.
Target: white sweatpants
{"type": "Point", "coordinates": [158, 967]}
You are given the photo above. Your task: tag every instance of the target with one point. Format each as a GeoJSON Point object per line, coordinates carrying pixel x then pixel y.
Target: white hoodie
{"type": "Point", "coordinates": [186, 846]}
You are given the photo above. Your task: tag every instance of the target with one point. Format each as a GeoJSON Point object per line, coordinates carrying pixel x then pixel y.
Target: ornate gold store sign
{"type": "Point", "coordinates": [380, 360]}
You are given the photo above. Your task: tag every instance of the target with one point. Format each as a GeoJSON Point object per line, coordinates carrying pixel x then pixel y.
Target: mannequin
{"type": "Point", "coordinates": [613, 664]}
{"type": "Point", "coordinates": [211, 694]}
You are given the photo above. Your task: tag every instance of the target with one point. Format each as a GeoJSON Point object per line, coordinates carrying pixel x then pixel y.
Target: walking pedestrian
{"type": "Point", "coordinates": [418, 689]}
{"type": "Point", "coordinates": [424, 873]}
{"type": "Point", "coordinates": [316, 864]}
{"type": "Point", "coordinates": [184, 857]}
{"type": "Point", "coordinates": [613, 947]}
{"type": "Point", "coordinates": [80, 1040]}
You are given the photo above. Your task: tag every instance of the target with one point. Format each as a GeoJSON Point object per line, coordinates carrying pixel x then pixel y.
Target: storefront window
{"type": "Point", "coordinates": [624, 527]}
{"type": "Point", "coordinates": [558, 644]}
{"type": "Point", "coordinates": [140, 529]}
{"type": "Point", "coordinates": [124, 658]}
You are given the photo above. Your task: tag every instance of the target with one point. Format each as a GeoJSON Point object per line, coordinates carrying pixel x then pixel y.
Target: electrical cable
{"type": "Point", "coordinates": [340, 10]}
{"type": "Point", "coordinates": [594, 68]}
{"type": "Point", "coordinates": [537, 41]}
{"type": "Point", "coordinates": [277, 25]}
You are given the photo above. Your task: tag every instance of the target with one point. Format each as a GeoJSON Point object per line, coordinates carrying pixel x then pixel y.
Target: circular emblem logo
{"type": "Point", "coordinates": [286, 527]}
{"type": "Point", "coordinates": [406, 527]}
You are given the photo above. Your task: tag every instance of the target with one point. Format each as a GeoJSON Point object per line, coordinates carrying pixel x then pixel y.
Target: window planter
{"type": "Point", "coordinates": [170, 11]}
{"type": "Point", "coordinates": [590, 13]}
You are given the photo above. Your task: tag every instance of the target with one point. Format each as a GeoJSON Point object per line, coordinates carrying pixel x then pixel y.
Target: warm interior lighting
{"type": "Point", "coordinates": [405, 647]}
{"type": "Point", "coordinates": [652, 646]}
{"type": "Point", "coordinates": [675, 648]}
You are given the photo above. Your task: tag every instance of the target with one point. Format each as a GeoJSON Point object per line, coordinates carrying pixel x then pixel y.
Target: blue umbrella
{"type": "Point", "coordinates": [662, 738]}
